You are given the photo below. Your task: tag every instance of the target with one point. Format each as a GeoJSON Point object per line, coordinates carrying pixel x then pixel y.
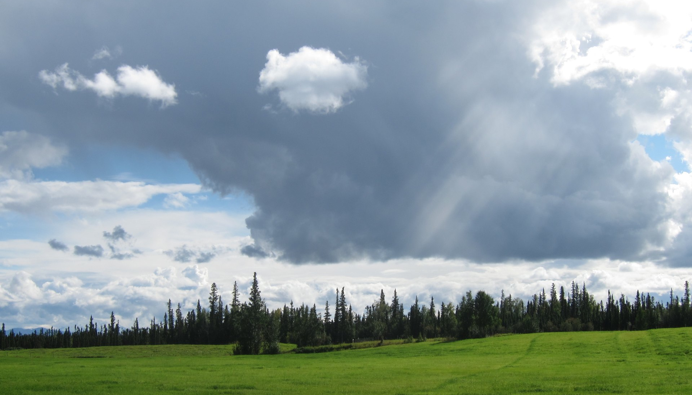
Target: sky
{"type": "Point", "coordinates": [148, 149]}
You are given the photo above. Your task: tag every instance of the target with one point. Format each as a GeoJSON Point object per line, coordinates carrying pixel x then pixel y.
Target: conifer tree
{"type": "Point", "coordinates": [113, 338]}
{"type": "Point", "coordinates": [252, 322]}
{"type": "Point", "coordinates": [233, 322]}
{"type": "Point", "coordinates": [179, 325]}
{"type": "Point", "coordinates": [431, 329]}
{"type": "Point", "coordinates": [213, 313]}
{"type": "Point", "coordinates": [380, 312]}
{"type": "Point", "coordinates": [414, 319]}
{"type": "Point", "coordinates": [686, 310]}
{"type": "Point", "coordinates": [395, 329]}
{"type": "Point", "coordinates": [327, 321]}
{"type": "Point", "coordinates": [171, 330]}
{"type": "Point", "coordinates": [338, 319]}
{"type": "Point", "coordinates": [555, 307]}
{"type": "Point", "coordinates": [271, 333]}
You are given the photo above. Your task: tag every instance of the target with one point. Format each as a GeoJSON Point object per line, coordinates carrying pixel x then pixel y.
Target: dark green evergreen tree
{"type": "Point", "coordinates": [214, 322]}
{"type": "Point", "coordinates": [171, 325]}
{"type": "Point", "coordinates": [338, 321]}
{"type": "Point", "coordinates": [415, 320]}
{"type": "Point", "coordinates": [395, 329]}
{"type": "Point", "coordinates": [233, 320]}
{"type": "Point", "coordinates": [327, 323]}
{"type": "Point", "coordinates": [271, 333]}
{"type": "Point", "coordinates": [431, 327]}
{"type": "Point", "coordinates": [252, 322]}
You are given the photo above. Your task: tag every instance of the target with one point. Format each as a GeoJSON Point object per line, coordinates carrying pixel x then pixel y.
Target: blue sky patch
{"type": "Point", "coordinates": [658, 148]}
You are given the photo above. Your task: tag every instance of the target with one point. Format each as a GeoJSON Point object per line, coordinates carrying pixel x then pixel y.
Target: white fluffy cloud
{"type": "Point", "coordinates": [312, 79]}
{"type": "Point", "coordinates": [140, 81]}
{"type": "Point", "coordinates": [578, 38]}
{"type": "Point", "coordinates": [83, 196]}
{"type": "Point", "coordinates": [66, 300]}
{"type": "Point", "coordinates": [22, 151]}
{"type": "Point", "coordinates": [642, 49]}
{"type": "Point", "coordinates": [63, 299]}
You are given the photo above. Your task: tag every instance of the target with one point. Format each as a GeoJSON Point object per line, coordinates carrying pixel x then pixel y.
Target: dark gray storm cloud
{"type": "Point", "coordinates": [254, 251]}
{"type": "Point", "coordinates": [95, 251]}
{"type": "Point", "coordinates": [118, 233]}
{"type": "Point", "coordinates": [454, 149]}
{"type": "Point", "coordinates": [56, 245]}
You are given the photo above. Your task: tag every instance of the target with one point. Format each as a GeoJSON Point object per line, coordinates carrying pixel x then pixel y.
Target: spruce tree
{"type": "Point", "coordinates": [252, 322]}
{"type": "Point", "coordinates": [686, 313]}
{"type": "Point", "coordinates": [395, 329]}
{"type": "Point", "coordinates": [179, 325]}
{"type": "Point", "coordinates": [327, 321]}
{"type": "Point", "coordinates": [271, 333]}
{"type": "Point", "coordinates": [414, 319]}
{"type": "Point", "coordinates": [346, 331]}
{"type": "Point", "coordinates": [233, 328]}
{"type": "Point", "coordinates": [432, 320]}
{"type": "Point", "coordinates": [113, 336]}
{"type": "Point", "coordinates": [171, 331]}
{"type": "Point", "coordinates": [338, 318]}
{"type": "Point", "coordinates": [213, 306]}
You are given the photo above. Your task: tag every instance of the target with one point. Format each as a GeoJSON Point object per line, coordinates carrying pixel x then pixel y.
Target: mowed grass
{"type": "Point", "coordinates": [650, 362]}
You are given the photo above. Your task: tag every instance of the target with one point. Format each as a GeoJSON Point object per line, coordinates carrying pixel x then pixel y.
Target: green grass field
{"type": "Point", "coordinates": [650, 362]}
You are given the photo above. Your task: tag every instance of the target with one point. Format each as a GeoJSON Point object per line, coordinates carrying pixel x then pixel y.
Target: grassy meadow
{"type": "Point", "coordinates": [647, 362]}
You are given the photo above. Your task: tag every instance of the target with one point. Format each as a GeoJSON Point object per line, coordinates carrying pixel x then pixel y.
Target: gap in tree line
{"type": "Point", "coordinates": [254, 328]}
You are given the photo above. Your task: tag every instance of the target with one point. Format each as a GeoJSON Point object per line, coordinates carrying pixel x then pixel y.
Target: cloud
{"type": "Point", "coordinates": [312, 79]}
{"type": "Point", "coordinates": [642, 50]}
{"type": "Point", "coordinates": [185, 254]}
{"type": "Point", "coordinates": [116, 238]}
{"type": "Point", "coordinates": [95, 251]}
{"type": "Point", "coordinates": [105, 53]}
{"type": "Point", "coordinates": [22, 151]}
{"type": "Point", "coordinates": [123, 255]}
{"type": "Point", "coordinates": [181, 254]}
{"type": "Point", "coordinates": [56, 245]}
{"type": "Point", "coordinates": [23, 287]}
{"type": "Point", "coordinates": [205, 257]}
{"type": "Point", "coordinates": [65, 300]}
{"type": "Point", "coordinates": [140, 81]}
{"type": "Point", "coordinates": [176, 200]}
{"type": "Point", "coordinates": [82, 196]}
{"type": "Point", "coordinates": [579, 38]}
{"type": "Point", "coordinates": [254, 251]}
{"type": "Point", "coordinates": [118, 233]}
{"type": "Point", "coordinates": [458, 151]}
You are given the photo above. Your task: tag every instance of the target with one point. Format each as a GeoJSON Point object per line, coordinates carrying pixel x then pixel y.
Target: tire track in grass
{"type": "Point", "coordinates": [621, 350]}
{"type": "Point", "coordinates": [529, 350]}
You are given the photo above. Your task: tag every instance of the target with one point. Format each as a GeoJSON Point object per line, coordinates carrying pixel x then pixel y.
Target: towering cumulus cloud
{"type": "Point", "coordinates": [491, 131]}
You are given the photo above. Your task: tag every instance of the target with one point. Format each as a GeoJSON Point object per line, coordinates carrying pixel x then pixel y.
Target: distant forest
{"type": "Point", "coordinates": [256, 329]}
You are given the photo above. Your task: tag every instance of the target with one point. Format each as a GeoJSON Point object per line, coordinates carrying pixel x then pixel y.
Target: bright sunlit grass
{"type": "Point", "coordinates": [646, 362]}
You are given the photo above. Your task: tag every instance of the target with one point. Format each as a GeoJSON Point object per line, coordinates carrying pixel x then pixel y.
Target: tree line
{"type": "Point", "coordinates": [254, 328]}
